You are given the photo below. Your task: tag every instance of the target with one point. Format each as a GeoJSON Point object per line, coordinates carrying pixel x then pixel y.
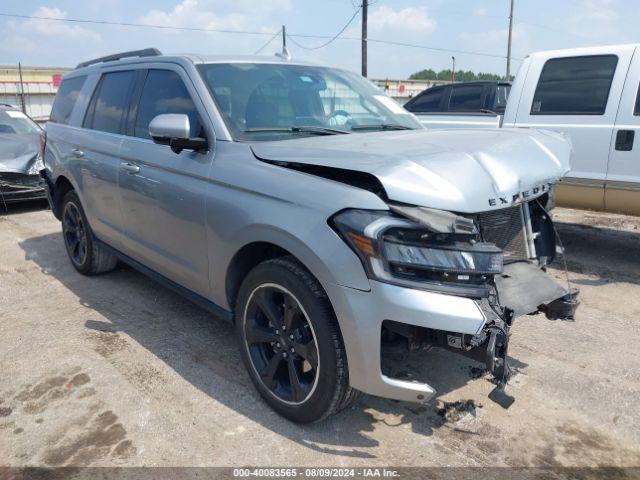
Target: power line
{"type": "Point", "coordinates": [249, 32]}
{"type": "Point", "coordinates": [268, 42]}
{"type": "Point", "coordinates": [317, 47]}
{"type": "Point", "coordinates": [448, 50]}
{"type": "Point", "coordinates": [127, 24]}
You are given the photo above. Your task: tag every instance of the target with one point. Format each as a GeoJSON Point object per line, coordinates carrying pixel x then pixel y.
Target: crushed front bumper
{"type": "Point", "coordinates": [476, 328]}
{"type": "Point", "coordinates": [19, 187]}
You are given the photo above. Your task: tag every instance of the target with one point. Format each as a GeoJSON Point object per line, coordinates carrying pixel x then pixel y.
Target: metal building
{"type": "Point", "coordinates": [30, 89]}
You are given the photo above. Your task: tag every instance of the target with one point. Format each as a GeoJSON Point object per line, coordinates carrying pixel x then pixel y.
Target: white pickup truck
{"type": "Point", "coordinates": [592, 95]}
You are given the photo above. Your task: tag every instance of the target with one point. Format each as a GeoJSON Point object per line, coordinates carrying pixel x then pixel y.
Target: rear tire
{"type": "Point", "coordinates": [87, 257]}
{"type": "Point", "coordinates": [290, 342]}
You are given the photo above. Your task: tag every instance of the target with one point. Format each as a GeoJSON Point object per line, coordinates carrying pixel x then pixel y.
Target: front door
{"type": "Point", "coordinates": [622, 188]}
{"type": "Point", "coordinates": [163, 194]}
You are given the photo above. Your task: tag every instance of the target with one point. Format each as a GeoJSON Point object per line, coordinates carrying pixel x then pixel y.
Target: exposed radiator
{"type": "Point", "coordinates": [506, 228]}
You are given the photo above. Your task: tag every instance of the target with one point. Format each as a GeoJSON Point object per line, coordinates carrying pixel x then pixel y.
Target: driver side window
{"type": "Point", "coordinates": [165, 92]}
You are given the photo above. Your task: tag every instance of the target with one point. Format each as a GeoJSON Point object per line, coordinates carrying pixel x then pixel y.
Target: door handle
{"type": "Point", "coordinates": [76, 152]}
{"type": "Point", "coordinates": [130, 167]}
{"type": "Point", "coordinates": [624, 140]}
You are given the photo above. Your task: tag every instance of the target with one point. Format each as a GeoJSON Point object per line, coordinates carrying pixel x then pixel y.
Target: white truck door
{"type": "Point", "coordinates": [576, 92]}
{"type": "Point", "coordinates": [622, 188]}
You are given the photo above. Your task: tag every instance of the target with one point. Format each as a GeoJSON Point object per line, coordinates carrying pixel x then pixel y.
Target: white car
{"type": "Point", "coordinates": [592, 95]}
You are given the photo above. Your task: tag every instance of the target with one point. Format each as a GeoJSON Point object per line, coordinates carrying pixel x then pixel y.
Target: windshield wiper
{"type": "Point", "coordinates": [382, 126]}
{"type": "Point", "coordinates": [296, 129]}
{"type": "Point", "coordinates": [486, 110]}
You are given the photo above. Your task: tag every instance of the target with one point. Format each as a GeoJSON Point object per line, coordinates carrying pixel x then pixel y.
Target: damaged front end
{"type": "Point", "coordinates": [498, 258]}
{"type": "Point", "coordinates": [20, 178]}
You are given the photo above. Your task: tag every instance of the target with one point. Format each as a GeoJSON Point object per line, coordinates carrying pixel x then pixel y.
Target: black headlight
{"type": "Point", "coordinates": [397, 250]}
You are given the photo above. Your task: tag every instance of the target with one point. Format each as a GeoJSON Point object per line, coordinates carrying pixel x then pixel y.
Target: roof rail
{"type": "Point", "coordinates": [146, 52]}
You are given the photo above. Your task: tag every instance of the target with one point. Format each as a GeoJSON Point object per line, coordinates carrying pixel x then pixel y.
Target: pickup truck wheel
{"type": "Point", "coordinates": [86, 256]}
{"type": "Point", "coordinates": [291, 342]}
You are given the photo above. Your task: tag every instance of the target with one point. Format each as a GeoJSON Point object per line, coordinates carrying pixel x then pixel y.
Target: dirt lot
{"type": "Point", "coordinates": [116, 370]}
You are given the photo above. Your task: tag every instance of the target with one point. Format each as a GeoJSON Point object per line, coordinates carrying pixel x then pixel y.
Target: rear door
{"type": "Point", "coordinates": [577, 93]}
{"type": "Point", "coordinates": [622, 189]}
{"type": "Point", "coordinates": [163, 194]}
{"type": "Point", "coordinates": [95, 152]}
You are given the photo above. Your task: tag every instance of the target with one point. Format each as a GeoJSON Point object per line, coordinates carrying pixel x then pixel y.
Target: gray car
{"type": "Point", "coordinates": [303, 204]}
{"type": "Point", "coordinates": [20, 160]}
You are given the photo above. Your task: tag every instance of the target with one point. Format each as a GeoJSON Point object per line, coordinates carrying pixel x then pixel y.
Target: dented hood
{"type": "Point", "coordinates": [18, 152]}
{"type": "Point", "coordinates": [463, 171]}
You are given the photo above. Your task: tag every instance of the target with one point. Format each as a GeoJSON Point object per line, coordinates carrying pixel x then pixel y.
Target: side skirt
{"type": "Point", "coordinates": [199, 300]}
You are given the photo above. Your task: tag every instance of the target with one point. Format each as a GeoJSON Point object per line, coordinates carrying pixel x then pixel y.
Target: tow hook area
{"type": "Point", "coordinates": [492, 351]}
{"type": "Point", "coordinates": [490, 347]}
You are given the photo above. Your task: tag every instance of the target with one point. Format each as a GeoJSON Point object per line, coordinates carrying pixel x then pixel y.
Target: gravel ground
{"type": "Point", "coordinates": [117, 370]}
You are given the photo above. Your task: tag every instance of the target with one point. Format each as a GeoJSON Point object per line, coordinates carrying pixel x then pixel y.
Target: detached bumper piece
{"type": "Point", "coordinates": [525, 289]}
{"type": "Point", "coordinates": [18, 187]}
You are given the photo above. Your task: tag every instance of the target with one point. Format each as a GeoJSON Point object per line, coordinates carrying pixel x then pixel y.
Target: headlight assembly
{"type": "Point", "coordinates": [401, 251]}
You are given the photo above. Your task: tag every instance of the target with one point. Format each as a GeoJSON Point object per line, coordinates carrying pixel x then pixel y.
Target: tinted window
{"type": "Point", "coordinates": [164, 92]}
{"type": "Point", "coordinates": [466, 98]}
{"type": "Point", "coordinates": [109, 103]}
{"type": "Point", "coordinates": [574, 86]}
{"type": "Point", "coordinates": [428, 101]}
{"type": "Point", "coordinates": [66, 99]}
{"type": "Point", "coordinates": [636, 110]}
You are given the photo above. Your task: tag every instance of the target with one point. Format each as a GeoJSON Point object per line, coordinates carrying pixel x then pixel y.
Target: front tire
{"type": "Point", "coordinates": [86, 256]}
{"type": "Point", "coordinates": [291, 343]}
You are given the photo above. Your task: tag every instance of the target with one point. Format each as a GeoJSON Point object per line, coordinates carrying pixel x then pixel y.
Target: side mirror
{"type": "Point", "coordinates": [173, 129]}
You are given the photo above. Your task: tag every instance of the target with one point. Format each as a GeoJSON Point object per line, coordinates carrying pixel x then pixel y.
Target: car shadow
{"type": "Point", "coordinates": [608, 254]}
{"type": "Point", "coordinates": [203, 351]}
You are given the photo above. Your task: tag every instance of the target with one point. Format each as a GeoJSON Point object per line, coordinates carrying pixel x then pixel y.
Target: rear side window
{"type": "Point", "coordinates": [574, 85]}
{"type": "Point", "coordinates": [165, 92]}
{"type": "Point", "coordinates": [428, 101]}
{"type": "Point", "coordinates": [66, 99]}
{"type": "Point", "coordinates": [466, 98]}
{"type": "Point", "coordinates": [109, 103]}
{"type": "Point", "coordinates": [636, 109]}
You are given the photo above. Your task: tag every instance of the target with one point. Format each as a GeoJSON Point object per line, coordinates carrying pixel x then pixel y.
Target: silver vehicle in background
{"type": "Point", "coordinates": [20, 161]}
{"type": "Point", "coordinates": [309, 208]}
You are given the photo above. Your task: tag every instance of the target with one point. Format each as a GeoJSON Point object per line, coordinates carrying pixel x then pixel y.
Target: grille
{"type": "Point", "coordinates": [505, 228]}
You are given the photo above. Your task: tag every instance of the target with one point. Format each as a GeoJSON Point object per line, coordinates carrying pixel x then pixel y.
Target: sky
{"type": "Point", "coordinates": [472, 27]}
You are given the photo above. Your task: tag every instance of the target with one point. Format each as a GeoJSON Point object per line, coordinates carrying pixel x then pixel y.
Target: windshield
{"type": "Point", "coordinates": [274, 101]}
{"type": "Point", "coordinates": [14, 121]}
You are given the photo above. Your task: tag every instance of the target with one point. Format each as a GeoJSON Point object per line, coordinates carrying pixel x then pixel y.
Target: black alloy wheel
{"type": "Point", "coordinates": [75, 234]}
{"type": "Point", "coordinates": [281, 343]}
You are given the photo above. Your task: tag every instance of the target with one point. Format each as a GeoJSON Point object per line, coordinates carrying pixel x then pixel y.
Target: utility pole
{"type": "Point", "coordinates": [365, 5]}
{"type": "Point", "coordinates": [22, 99]}
{"type": "Point", "coordinates": [509, 42]}
{"type": "Point", "coordinates": [453, 70]}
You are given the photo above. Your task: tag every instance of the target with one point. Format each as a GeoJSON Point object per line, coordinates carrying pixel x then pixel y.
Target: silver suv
{"type": "Point", "coordinates": [303, 204]}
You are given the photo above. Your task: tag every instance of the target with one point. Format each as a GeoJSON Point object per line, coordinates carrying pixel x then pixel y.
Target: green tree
{"type": "Point", "coordinates": [461, 75]}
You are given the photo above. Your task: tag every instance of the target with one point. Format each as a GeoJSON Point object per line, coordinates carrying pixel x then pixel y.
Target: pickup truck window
{"type": "Point", "coordinates": [109, 102]}
{"type": "Point", "coordinates": [66, 99]}
{"type": "Point", "coordinates": [574, 85]}
{"type": "Point", "coordinates": [428, 101]}
{"type": "Point", "coordinates": [466, 98]}
{"type": "Point", "coordinates": [164, 92]}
